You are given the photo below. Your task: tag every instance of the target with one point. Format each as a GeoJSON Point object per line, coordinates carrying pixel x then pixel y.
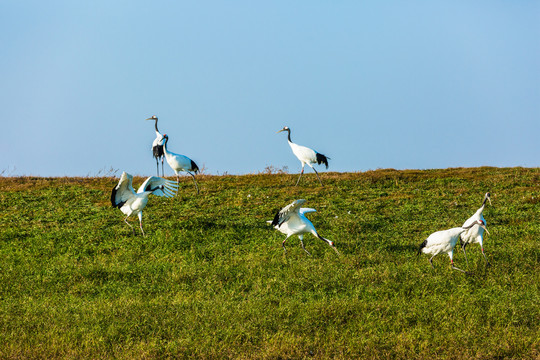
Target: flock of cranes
{"type": "Point", "coordinates": [291, 219]}
{"type": "Point", "coordinates": [444, 241]}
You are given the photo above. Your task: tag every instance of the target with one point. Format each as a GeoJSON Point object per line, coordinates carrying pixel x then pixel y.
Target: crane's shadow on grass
{"type": "Point", "coordinates": [478, 274]}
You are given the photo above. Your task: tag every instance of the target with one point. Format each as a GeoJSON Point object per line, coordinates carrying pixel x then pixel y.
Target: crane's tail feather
{"type": "Point", "coordinates": [321, 159]}
{"type": "Point", "coordinates": [158, 151]}
{"type": "Point", "coordinates": [422, 245]}
{"type": "Point", "coordinates": [194, 167]}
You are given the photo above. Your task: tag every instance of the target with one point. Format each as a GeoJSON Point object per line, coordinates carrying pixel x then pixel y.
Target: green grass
{"type": "Point", "coordinates": [210, 279]}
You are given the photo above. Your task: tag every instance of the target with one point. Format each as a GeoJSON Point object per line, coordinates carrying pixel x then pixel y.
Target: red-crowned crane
{"type": "Point", "coordinates": [291, 220]}
{"type": "Point", "coordinates": [306, 156]}
{"type": "Point", "coordinates": [157, 146]}
{"type": "Point", "coordinates": [476, 233]}
{"type": "Point", "coordinates": [444, 241]}
{"type": "Point", "coordinates": [130, 202]}
{"type": "Point", "coordinates": [179, 163]}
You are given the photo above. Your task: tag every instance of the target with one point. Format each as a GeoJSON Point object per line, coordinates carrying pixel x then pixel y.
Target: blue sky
{"type": "Point", "coordinates": [381, 84]}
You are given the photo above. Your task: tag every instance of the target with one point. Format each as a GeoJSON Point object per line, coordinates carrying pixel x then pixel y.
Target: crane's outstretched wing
{"type": "Point", "coordinates": [159, 187]}
{"type": "Point", "coordinates": [123, 191]}
{"type": "Point", "coordinates": [285, 213]}
{"type": "Point", "coordinates": [306, 210]}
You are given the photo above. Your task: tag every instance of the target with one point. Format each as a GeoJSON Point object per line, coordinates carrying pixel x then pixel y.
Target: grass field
{"type": "Point", "coordinates": [210, 279]}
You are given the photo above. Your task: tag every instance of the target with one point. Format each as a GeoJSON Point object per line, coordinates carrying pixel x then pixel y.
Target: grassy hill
{"type": "Point", "coordinates": [210, 279]}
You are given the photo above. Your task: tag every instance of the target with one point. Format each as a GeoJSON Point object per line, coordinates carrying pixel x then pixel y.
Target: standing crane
{"type": "Point", "coordinates": [157, 146]}
{"type": "Point", "coordinates": [444, 241]}
{"type": "Point", "coordinates": [130, 202]}
{"type": "Point", "coordinates": [306, 156]}
{"type": "Point", "coordinates": [476, 233]}
{"type": "Point", "coordinates": [291, 220]}
{"type": "Point", "coordinates": [179, 163]}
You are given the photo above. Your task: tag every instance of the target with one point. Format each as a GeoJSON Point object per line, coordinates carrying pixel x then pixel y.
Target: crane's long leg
{"type": "Point", "coordinates": [302, 243]}
{"type": "Point", "coordinates": [452, 263]}
{"type": "Point", "coordinates": [162, 170]}
{"type": "Point", "coordinates": [140, 223]}
{"type": "Point", "coordinates": [157, 165]}
{"type": "Point", "coordinates": [125, 220]}
{"type": "Point", "coordinates": [456, 268]}
{"type": "Point", "coordinates": [301, 172]}
{"type": "Point", "coordinates": [463, 248]}
{"type": "Point", "coordinates": [431, 261]}
{"type": "Point", "coordinates": [485, 258]}
{"type": "Point", "coordinates": [193, 176]}
{"type": "Point", "coordinates": [316, 173]}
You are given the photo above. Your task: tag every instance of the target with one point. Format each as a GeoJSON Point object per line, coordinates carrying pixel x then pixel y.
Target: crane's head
{"type": "Point", "coordinates": [154, 117]}
{"type": "Point", "coordinates": [165, 138]}
{"type": "Point", "coordinates": [285, 128]}
{"type": "Point", "coordinates": [482, 224]}
{"type": "Point", "coordinates": [488, 198]}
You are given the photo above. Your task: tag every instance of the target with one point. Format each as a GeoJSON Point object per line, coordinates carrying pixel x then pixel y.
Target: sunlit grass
{"type": "Point", "coordinates": [210, 279]}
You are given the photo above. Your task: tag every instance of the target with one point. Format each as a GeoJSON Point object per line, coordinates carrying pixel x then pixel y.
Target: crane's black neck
{"type": "Point", "coordinates": [156, 125]}
{"type": "Point", "coordinates": [289, 135]}
{"type": "Point", "coordinates": [165, 144]}
{"type": "Point", "coordinates": [470, 226]}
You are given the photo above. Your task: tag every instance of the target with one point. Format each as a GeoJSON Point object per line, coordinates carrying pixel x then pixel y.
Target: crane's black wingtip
{"type": "Point", "coordinates": [276, 219]}
{"type": "Point", "coordinates": [113, 199]}
{"type": "Point", "coordinates": [113, 196]}
{"type": "Point", "coordinates": [194, 167]}
{"type": "Point", "coordinates": [321, 159]}
{"type": "Point", "coordinates": [422, 245]}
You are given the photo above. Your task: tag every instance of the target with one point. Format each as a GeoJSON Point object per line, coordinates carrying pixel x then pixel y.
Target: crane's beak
{"type": "Point", "coordinates": [485, 228]}
{"type": "Point", "coordinates": [489, 199]}
{"type": "Point", "coordinates": [150, 118]}
{"type": "Point", "coordinates": [279, 131]}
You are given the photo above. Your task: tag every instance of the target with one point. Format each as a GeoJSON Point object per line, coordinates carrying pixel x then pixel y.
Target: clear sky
{"type": "Point", "coordinates": [371, 84]}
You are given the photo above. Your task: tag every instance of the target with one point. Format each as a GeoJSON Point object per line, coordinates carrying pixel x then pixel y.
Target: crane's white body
{"type": "Point", "coordinates": [306, 156]}
{"type": "Point", "coordinates": [179, 163]}
{"type": "Point", "coordinates": [158, 141]}
{"type": "Point", "coordinates": [476, 233]}
{"type": "Point", "coordinates": [291, 220]}
{"type": "Point", "coordinates": [444, 241]}
{"type": "Point", "coordinates": [130, 202]}
{"type": "Point", "coordinates": [157, 146]}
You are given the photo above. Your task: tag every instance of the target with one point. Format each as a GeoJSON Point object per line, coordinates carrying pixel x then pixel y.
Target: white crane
{"type": "Point", "coordinates": [179, 163]}
{"type": "Point", "coordinates": [291, 220]}
{"type": "Point", "coordinates": [130, 202]}
{"type": "Point", "coordinates": [157, 147]}
{"type": "Point", "coordinates": [476, 233]}
{"type": "Point", "coordinates": [444, 241]}
{"type": "Point", "coordinates": [306, 156]}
